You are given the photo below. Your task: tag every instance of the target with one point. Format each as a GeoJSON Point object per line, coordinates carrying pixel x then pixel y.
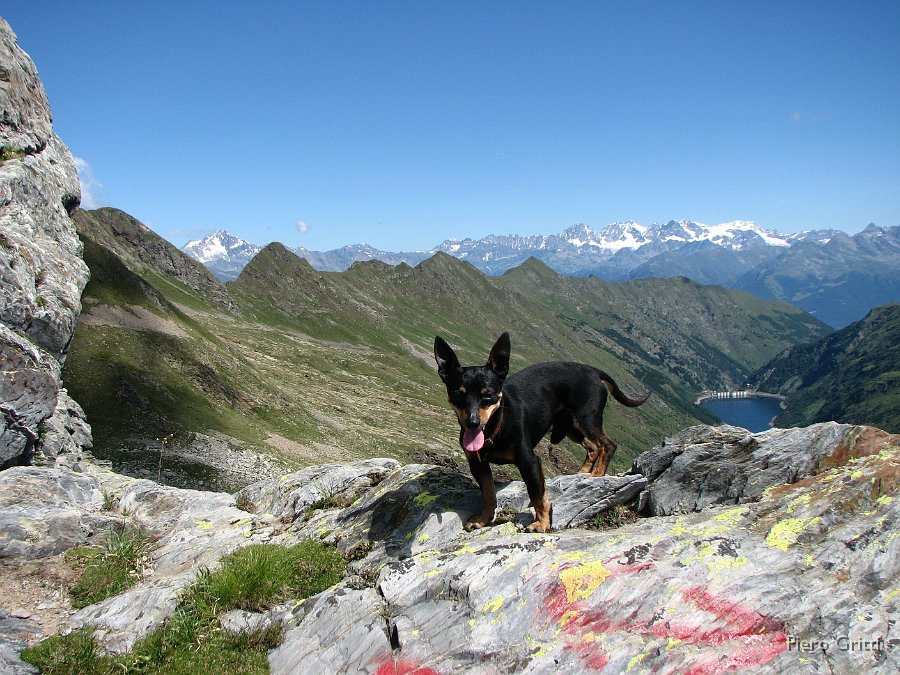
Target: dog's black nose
{"type": "Point", "coordinates": [473, 422]}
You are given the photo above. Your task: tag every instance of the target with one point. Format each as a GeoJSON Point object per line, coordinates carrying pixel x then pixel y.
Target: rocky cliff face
{"type": "Point", "coordinates": [41, 271]}
{"type": "Point", "coordinates": [779, 554]}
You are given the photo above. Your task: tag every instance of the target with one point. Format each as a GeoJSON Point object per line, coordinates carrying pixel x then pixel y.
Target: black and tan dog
{"type": "Point", "coordinates": [502, 420]}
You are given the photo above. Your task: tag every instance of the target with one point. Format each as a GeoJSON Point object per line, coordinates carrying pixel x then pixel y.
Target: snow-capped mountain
{"type": "Point", "coordinates": [222, 253]}
{"type": "Point", "coordinates": [613, 251]}
{"type": "Point", "coordinates": [833, 275]}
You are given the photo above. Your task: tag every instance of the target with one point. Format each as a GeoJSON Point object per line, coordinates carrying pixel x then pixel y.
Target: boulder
{"type": "Point", "coordinates": [45, 511]}
{"type": "Point", "coordinates": [704, 466]}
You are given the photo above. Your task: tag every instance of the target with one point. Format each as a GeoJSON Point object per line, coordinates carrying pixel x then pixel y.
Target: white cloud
{"type": "Point", "coordinates": [302, 226]}
{"type": "Point", "coordinates": [89, 184]}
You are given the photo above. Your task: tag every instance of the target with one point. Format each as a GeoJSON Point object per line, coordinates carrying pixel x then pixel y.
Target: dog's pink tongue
{"type": "Point", "coordinates": [473, 440]}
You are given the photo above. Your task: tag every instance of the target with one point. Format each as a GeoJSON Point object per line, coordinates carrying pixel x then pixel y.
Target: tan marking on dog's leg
{"type": "Point", "coordinates": [588, 461]}
{"type": "Point", "coordinates": [590, 457]}
{"type": "Point", "coordinates": [592, 452]}
{"type": "Point", "coordinates": [607, 450]}
{"type": "Point", "coordinates": [542, 514]}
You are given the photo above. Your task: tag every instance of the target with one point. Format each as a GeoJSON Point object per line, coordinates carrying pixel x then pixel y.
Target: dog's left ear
{"type": "Point", "coordinates": [446, 359]}
{"type": "Point", "coordinates": [498, 361]}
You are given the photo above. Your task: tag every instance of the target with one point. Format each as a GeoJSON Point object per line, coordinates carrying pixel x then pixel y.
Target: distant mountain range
{"type": "Point", "coordinates": [835, 276]}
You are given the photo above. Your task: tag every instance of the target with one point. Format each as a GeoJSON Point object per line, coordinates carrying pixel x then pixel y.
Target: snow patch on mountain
{"type": "Point", "coordinates": [222, 246]}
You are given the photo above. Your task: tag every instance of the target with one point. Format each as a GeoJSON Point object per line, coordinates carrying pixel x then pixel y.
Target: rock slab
{"type": "Point", "coordinates": [798, 571]}
{"type": "Point", "coordinates": [42, 274]}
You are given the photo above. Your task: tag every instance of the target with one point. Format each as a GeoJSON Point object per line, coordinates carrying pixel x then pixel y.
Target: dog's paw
{"type": "Point", "coordinates": [538, 527]}
{"type": "Point", "coordinates": [476, 523]}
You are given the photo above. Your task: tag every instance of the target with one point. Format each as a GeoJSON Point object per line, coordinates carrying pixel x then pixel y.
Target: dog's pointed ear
{"type": "Point", "coordinates": [445, 357]}
{"type": "Point", "coordinates": [498, 361]}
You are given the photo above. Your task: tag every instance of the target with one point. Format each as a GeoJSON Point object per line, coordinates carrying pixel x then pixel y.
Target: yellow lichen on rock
{"type": "Point", "coordinates": [786, 532]}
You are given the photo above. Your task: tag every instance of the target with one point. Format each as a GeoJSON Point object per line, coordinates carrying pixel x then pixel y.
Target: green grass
{"type": "Point", "coordinates": [192, 641]}
{"type": "Point", "coordinates": [612, 518]}
{"type": "Point", "coordinates": [110, 570]}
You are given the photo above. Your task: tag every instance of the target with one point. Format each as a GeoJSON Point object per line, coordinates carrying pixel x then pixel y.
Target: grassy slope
{"type": "Point", "coordinates": [340, 363]}
{"type": "Point", "coordinates": [852, 375]}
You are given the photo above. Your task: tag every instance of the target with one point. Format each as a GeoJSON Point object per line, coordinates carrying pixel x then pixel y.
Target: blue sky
{"type": "Point", "coordinates": [401, 124]}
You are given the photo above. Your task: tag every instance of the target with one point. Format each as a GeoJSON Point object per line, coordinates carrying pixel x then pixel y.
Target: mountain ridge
{"type": "Point", "coordinates": [860, 271]}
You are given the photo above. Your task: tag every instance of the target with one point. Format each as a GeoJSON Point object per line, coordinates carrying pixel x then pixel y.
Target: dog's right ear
{"type": "Point", "coordinates": [447, 362]}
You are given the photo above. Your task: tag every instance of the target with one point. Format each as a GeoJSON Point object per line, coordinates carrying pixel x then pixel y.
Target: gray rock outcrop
{"type": "Point", "coordinates": [42, 274]}
{"type": "Point", "coordinates": [796, 574]}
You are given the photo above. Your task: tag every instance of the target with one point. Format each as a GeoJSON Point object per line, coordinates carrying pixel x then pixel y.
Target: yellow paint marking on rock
{"type": "Point", "coordinates": [582, 580]}
{"type": "Point", "coordinates": [892, 594]}
{"type": "Point", "coordinates": [787, 531]}
{"type": "Point", "coordinates": [721, 563]}
{"type": "Point", "coordinates": [465, 549]}
{"type": "Point", "coordinates": [204, 524]}
{"type": "Point", "coordinates": [678, 529]}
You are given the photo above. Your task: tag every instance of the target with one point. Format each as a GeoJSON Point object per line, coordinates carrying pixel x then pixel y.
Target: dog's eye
{"type": "Point", "coordinates": [489, 400]}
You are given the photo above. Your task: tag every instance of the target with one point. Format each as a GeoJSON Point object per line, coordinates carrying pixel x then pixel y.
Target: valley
{"type": "Point", "coordinates": [308, 367]}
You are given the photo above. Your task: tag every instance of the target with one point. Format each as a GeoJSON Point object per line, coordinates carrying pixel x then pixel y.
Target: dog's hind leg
{"type": "Point", "coordinates": [590, 448]}
{"type": "Point", "coordinates": [606, 449]}
{"type": "Point", "coordinates": [481, 471]}
{"type": "Point", "coordinates": [599, 448]}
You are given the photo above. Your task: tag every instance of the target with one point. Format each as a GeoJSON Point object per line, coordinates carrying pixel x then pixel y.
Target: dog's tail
{"type": "Point", "coordinates": [620, 397]}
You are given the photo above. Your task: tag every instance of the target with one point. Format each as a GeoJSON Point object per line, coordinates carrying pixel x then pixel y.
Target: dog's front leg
{"type": "Point", "coordinates": [481, 471]}
{"type": "Point", "coordinates": [533, 475]}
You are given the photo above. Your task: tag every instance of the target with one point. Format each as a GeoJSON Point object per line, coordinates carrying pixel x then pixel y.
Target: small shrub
{"type": "Point", "coordinates": [7, 153]}
{"type": "Point", "coordinates": [110, 571]}
{"type": "Point", "coordinates": [612, 518]}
